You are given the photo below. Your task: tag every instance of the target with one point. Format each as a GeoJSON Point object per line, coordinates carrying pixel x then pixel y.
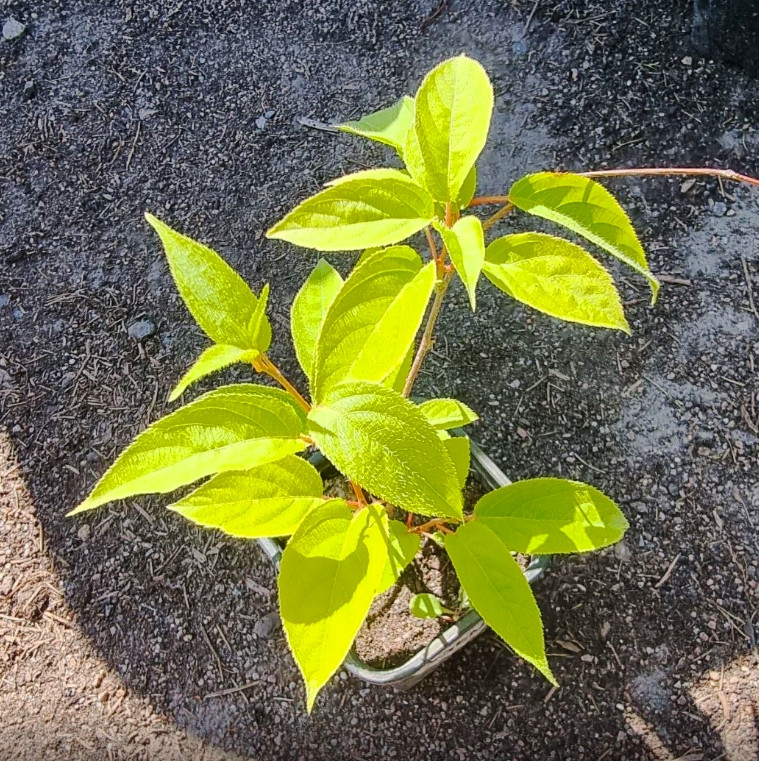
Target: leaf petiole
{"type": "Point", "coordinates": [264, 365]}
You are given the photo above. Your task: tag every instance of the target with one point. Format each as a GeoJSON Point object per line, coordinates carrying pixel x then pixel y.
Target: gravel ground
{"type": "Point", "coordinates": [131, 635]}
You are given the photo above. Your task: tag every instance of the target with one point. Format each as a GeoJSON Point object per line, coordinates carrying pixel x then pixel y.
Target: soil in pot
{"type": "Point", "coordinates": [391, 634]}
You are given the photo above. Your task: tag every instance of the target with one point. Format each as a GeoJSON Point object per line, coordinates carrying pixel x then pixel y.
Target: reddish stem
{"type": "Point", "coordinates": [487, 200]}
{"type": "Point", "coordinates": [725, 174]}
{"type": "Point", "coordinates": [265, 365]}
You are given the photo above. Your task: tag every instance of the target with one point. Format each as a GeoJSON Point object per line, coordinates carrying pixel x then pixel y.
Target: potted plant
{"type": "Point", "coordinates": [358, 345]}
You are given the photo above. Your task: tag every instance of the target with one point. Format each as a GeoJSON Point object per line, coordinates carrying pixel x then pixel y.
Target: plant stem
{"type": "Point", "coordinates": [268, 367]}
{"type": "Point", "coordinates": [725, 174]}
{"type": "Point", "coordinates": [431, 243]}
{"type": "Point", "coordinates": [359, 492]}
{"type": "Point", "coordinates": [500, 214]}
{"type": "Point", "coordinates": [426, 343]}
{"type": "Point", "coordinates": [435, 523]}
{"type": "Point", "coordinates": [487, 200]}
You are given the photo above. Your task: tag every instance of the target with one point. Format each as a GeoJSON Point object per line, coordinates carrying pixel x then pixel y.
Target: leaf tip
{"type": "Point", "coordinates": [311, 694]}
{"type": "Point", "coordinates": [82, 507]}
{"type": "Point", "coordinates": [154, 222]}
{"type": "Point", "coordinates": [545, 670]}
{"type": "Point", "coordinates": [655, 285]}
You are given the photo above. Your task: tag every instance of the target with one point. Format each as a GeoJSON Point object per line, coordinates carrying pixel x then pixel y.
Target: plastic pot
{"type": "Point", "coordinates": [458, 634]}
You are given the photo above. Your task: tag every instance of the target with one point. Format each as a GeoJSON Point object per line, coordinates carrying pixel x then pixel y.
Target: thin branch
{"type": "Point", "coordinates": [436, 523]}
{"type": "Point", "coordinates": [431, 243]}
{"type": "Point", "coordinates": [488, 200]}
{"type": "Point", "coordinates": [265, 365]}
{"type": "Point", "coordinates": [725, 174]}
{"type": "Point", "coordinates": [359, 492]}
{"type": "Point", "coordinates": [425, 344]}
{"type": "Point", "coordinates": [500, 214]}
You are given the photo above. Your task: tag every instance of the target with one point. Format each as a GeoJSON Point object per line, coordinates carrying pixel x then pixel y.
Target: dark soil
{"type": "Point", "coordinates": [391, 633]}
{"type": "Point", "coordinates": [130, 634]}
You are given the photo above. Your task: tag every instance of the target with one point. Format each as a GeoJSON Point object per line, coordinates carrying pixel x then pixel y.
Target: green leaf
{"type": "Point", "coordinates": [426, 606]}
{"type": "Point", "coordinates": [499, 591]}
{"type": "Point", "coordinates": [376, 207]}
{"type": "Point", "coordinates": [466, 194]}
{"type": "Point", "coordinates": [545, 516]}
{"type": "Point", "coordinates": [389, 126]}
{"type": "Point", "coordinates": [465, 242]}
{"type": "Point", "coordinates": [397, 379]}
{"type": "Point", "coordinates": [379, 439]}
{"type": "Point", "coordinates": [328, 576]}
{"type": "Point", "coordinates": [401, 550]}
{"type": "Point", "coordinates": [372, 323]}
{"type": "Point", "coordinates": [217, 297]}
{"type": "Point", "coordinates": [459, 450]}
{"type": "Point", "coordinates": [451, 121]}
{"type": "Point", "coordinates": [231, 428]}
{"type": "Point", "coordinates": [447, 413]}
{"type": "Point", "coordinates": [213, 359]}
{"type": "Point", "coordinates": [268, 500]}
{"type": "Point", "coordinates": [587, 208]}
{"type": "Point", "coordinates": [309, 310]}
{"type": "Point", "coordinates": [556, 277]}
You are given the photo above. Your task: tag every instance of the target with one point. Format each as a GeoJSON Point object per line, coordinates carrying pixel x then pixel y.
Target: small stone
{"type": "Point", "coordinates": [261, 122]}
{"type": "Point", "coordinates": [719, 209]}
{"type": "Point", "coordinates": [141, 329]}
{"type": "Point", "coordinates": [30, 89]}
{"type": "Point", "coordinates": [4, 299]}
{"type": "Point", "coordinates": [622, 552]}
{"type": "Point", "coordinates": [687, 61]}
{"type": "Point", "coordinates": [705, 438]}
{"type": "Point", "coordinates": [265, 626]}
{"type": "Point", "coordinates": [84, 532]}
{"type": "Point", "coordinates": [13, 29]}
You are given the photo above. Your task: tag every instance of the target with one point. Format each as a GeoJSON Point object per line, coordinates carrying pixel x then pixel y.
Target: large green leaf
{"type": "Point", "coordinates": [401, 550]}
{"type": "Point", "coordinates": [447, 413]}
{"type": "Point", "coordinates": [545, 516]}
{"type": "Point", "coordinates": [213, 359]}
{"type": "Point", "coordinates": [498, 591]}
{"type": "Point", "coordinates": [370, 327]}
{"type": "Point", "coordinates": [451, 121]}
{"type": "Point", "coordinates": [376, 207]}
{"type": "Point", "coordinates": [465, 242]}
{"type": "Point", "coordinates": [382, 441]}
{"type": "Point", "coordinates": [556, 277]}
{"type": "Point", "coordinates": [268, 500]}
{"type": "Point", "coordinates": [231, 428]}
{"type": "Point", "coordinates": [309, 310]}
{"type": "Point", "coordinates": [217, 297]}
{"type": "Point", "coordinates": [389, 126]}
{"type": "Point", "coordinates": [460, 452]}
{"type": "Point", "coordinates": [328, 576]}
{"type": "Point", "coordinates": [587, 208]}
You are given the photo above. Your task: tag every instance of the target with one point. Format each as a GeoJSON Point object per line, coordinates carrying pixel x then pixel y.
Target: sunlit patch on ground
{"type": "Point", "coordinates": [58, 699]}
